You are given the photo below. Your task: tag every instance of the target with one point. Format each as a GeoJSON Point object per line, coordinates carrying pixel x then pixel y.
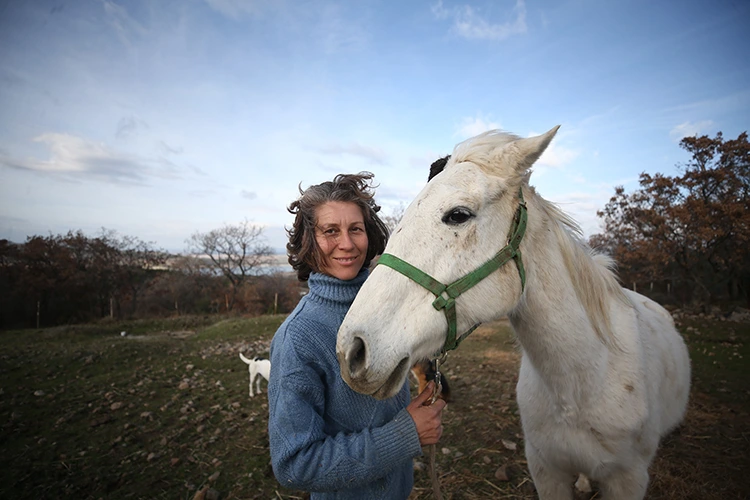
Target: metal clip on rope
{"type": "Point", "coordinates": [437, 389]}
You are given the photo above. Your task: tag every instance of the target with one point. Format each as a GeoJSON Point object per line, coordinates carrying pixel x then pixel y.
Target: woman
{"type": "Point", "coordinates": [325, 438]}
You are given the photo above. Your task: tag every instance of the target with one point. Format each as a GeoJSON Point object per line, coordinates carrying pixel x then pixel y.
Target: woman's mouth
{"type": "Point", "coordinates": [345, 260]}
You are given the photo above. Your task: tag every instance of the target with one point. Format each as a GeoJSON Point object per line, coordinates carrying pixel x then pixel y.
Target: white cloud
{"type": "Point", "coordinates": [166, 149]}
{"type": "Point", "coordinates": [688, 129]}
{"type": "Point", "coordinates": [372, 154]}
{"type": "Point", "coordinates": [123, 24]}
{"type": "Point", "coordinates": [128, 126]}
{"type": "Point", "coordinates": [473, 25]}
{"type": "Point", "coordinates": [236, 8]}
{"type": "Point", "coordinates": [473, 126]}
{"type": "Point", "coordinates": [248, 195]}
{"type": "Point", "coordinates": [74, 157]}
{"type": "Point", "coordinates": [556, 156]}
{"type": "Point", "coordinates": [339, 31]}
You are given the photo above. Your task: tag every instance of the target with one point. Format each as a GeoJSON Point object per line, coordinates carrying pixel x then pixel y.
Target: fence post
{"type": "Point", "coordinates": [275, 302]}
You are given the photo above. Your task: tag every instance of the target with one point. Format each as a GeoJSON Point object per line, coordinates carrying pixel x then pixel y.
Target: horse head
{"type": "Point", "coordinates": [459, 221]}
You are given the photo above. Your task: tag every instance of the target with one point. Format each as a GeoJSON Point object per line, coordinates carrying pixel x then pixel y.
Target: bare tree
{"type": "Point", "coordinates": [236, 251]}
{"type": "Point", "coordinates": [391, 220]}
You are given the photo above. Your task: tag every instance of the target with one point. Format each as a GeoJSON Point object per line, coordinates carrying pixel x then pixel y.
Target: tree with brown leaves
{"type": "Point", "coordinates": [692, 229]}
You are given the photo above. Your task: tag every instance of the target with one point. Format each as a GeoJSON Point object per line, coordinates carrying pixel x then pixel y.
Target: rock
{"type": "Point", "coordinates": [174, 461]}
{"type": "Point", "coordinates": [501, 474]}
{"type": "Point", "coordinates": [116, 406]}
{"type": "Point", "coordinates": [445, 451]}
{"type": "Point", "coordinates": [740, 315]}
{"type": "Point", "coordinates": [183, 385]}
{"type": "Point", "coordinates": [509, 445]}
{"type": "Point", "coordinates": [213, 477]}
{"type": "Point", "coordinates": [38, 393]}
{"type": "Point", "coordinates": [201, 493]}
{"type": "Point", "coordinates": [486, 459]}
{"type": "Point", "coordinates": [100, 420]}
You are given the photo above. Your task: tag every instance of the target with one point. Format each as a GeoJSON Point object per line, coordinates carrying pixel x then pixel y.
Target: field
{"type": "Point", "coordinates": [164, 412]}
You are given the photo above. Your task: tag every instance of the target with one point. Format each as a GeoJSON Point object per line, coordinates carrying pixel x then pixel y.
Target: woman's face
{"type": "Point", "coordinates": [341, 236]}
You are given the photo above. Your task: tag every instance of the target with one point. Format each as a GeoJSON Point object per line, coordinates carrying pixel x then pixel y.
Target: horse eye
{"type": "Point", "coordinates": [458, 215]}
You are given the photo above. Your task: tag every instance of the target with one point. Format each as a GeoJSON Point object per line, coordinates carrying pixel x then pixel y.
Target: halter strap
{"type": "Point", "coordinates": [446, 295]}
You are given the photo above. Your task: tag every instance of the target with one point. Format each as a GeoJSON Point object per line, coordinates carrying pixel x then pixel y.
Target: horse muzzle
{"type": "Point", "coordinates": [362, 375]}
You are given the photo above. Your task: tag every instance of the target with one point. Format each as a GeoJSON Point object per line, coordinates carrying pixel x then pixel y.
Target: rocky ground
{"type": "Point", "coordinates": [163, 412]}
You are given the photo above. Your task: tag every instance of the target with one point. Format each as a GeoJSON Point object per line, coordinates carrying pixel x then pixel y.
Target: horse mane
{"type": "Point", "coordinates": [591, 272]}
{"type": "Point", "coordinates": [483, 149]}
{"type": "Point", "coordinates": [438, 166]}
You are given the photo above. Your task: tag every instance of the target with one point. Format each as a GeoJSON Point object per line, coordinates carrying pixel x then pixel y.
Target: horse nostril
{"type": "Point", "coordinates": [357, 357]}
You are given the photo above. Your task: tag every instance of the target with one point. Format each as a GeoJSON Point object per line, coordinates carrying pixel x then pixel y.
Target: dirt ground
{"type": "Point", "coordinates": [481, 455]}
{"type": "Point", "coordinates": [163, 412]}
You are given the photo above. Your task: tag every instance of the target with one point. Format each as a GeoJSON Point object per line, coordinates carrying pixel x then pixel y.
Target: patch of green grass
{"type": "Point", "coordinates": [87, 413]}
{"type": "Point", "coordinates": [238, 328]}
{"type": "Point", "coordinates": [720, 357]}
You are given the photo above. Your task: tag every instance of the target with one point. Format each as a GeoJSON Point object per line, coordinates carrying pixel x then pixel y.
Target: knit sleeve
{"type": "Point", "coordinates": [305, 457]}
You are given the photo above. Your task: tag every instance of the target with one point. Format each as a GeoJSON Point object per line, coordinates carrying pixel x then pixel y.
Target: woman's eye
{"type": "Point", "coordinates": [458, 215]}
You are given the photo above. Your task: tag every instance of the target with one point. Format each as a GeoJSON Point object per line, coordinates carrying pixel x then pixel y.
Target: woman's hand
{"type": "Point", "coordinates": [427, 417]}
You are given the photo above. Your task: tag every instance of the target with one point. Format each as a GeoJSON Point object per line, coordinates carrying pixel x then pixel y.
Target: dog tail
{"type": "Point", "coordinates": [243, 358]}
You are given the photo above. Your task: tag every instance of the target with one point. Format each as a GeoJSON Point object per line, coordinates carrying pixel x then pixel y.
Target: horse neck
{"type": "Point", "coordinates": [551, 323]}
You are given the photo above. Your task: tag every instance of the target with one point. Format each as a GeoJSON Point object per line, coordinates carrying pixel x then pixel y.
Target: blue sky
{"type": "Point", "coordinates": [161, 118]}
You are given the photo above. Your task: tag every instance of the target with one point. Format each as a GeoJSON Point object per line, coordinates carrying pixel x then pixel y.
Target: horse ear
{"type": "Point", "coordinates": [526, 151]}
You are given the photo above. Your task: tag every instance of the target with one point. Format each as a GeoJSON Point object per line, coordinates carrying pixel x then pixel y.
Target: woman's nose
{"type": "Point", "coordinates": [345, 241]}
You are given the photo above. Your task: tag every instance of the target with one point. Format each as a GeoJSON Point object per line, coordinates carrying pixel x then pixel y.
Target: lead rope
{"type": "Point", "coordinates": [435, 394]}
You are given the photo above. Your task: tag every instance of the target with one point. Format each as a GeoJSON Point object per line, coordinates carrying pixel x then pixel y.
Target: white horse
{"type": "Point", "coordinates": [604, 374]}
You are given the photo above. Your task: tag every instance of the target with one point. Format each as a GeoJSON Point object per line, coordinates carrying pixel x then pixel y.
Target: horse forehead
{"type": "Point", "coordinates": [464, 183]}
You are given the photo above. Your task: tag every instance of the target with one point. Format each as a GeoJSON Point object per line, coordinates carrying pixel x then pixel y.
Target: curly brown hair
{"type": "Point", "coordinates": [303, 250]}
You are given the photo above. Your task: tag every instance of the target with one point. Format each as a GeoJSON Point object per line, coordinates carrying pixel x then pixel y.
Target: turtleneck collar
{"type": "Point", "coordinates": [339, 292]}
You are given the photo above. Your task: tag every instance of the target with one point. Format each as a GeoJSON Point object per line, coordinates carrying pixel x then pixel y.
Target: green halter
{"type": "Point", "coordinates": [455, 289]}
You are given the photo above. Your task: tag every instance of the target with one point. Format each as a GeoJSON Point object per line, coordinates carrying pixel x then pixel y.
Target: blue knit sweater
{"type": "Point", "coordinates": [325, 438]}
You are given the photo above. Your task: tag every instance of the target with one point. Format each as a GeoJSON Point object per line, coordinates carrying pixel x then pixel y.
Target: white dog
{"type": "Point", "coordinates": [257, 367]}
